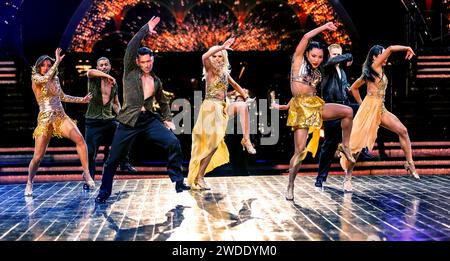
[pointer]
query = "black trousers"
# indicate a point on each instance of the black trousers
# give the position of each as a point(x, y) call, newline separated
point(100, 132)
point(149, 125)
point(333, 136)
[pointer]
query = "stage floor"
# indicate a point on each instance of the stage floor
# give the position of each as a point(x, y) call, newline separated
point(387, 208)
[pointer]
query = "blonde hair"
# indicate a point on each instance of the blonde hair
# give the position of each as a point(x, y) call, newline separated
point(334, 46)
point(225, 69)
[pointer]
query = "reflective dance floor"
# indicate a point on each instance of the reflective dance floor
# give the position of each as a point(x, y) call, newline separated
point(385, 208)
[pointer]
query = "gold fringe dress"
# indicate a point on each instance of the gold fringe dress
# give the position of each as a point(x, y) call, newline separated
point(49, 95)
point(209, 130)
point(367, 120)
point(305, 111)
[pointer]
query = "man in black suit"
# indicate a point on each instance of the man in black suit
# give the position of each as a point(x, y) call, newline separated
point(334, 88)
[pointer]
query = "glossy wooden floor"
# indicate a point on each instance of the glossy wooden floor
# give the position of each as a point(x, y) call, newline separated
point(237, 208)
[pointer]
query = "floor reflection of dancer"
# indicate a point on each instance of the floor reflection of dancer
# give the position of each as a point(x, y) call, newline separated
point(100, 120)
point(306, 110)
point(52, 120)
point(372, 113)
point(142, 91)
point(208, 146)
point(351, 226)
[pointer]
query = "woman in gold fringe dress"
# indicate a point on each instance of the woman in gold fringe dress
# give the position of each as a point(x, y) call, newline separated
point(306, 110)
point(52, 120)
point(372, 112)
point(208, 147)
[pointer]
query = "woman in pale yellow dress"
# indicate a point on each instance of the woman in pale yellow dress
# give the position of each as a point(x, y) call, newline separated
point(208, 146)
point(306, 110)
point(52, 120)
point(372, 112)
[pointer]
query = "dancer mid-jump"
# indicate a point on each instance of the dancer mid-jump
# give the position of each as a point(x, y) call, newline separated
point(306, 110)
point(372, 113)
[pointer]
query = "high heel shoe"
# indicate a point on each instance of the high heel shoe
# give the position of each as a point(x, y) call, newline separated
point(247, 145)
point(290, 193)
point(202, 184)
point(88, 180)
point(347, 153)
point(411, 169)
point(348, 185)
point(29, 189)
point(195, 186)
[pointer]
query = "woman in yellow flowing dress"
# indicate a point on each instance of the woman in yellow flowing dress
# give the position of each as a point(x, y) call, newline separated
point(208, 146)
point(372, 112)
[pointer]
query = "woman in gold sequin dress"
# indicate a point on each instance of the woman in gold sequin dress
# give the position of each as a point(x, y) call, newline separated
point(372, 112)
point(52, 120)
point(306, 110)
point(208, 146)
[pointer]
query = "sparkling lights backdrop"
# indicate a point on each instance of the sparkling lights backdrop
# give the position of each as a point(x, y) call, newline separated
point(189, 25)
point(447, 8)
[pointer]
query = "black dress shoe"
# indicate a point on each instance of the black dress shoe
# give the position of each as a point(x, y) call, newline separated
point(383, 156)
point(180, 186)
point(318, 183)
point(366, 156)
point(127, 167)
point(101, 198)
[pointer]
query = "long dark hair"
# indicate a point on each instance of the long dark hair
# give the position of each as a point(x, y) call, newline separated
point(312, 45)
point(368, 72)
point(39, 62)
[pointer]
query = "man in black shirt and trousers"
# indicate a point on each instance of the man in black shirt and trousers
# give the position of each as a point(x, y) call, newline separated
point(334, 88)
point(143, 94)
point(100, 120)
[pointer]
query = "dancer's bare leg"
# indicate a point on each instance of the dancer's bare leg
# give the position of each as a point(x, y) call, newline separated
point(241, 109)
point(333, 111)
point(300, 137)
point(392, 123)
point(70, 130)
point(199, 180)
point(40, 147)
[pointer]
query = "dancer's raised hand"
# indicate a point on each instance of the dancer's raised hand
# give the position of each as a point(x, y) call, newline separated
point(226, 45)
point(330, 26)
point(152, 24)
point(409, 53)
point(58, 55)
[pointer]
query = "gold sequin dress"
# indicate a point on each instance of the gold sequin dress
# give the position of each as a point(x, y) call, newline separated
point(209, 130)
point(305, 111)
point(367, 120)
point(49, 95)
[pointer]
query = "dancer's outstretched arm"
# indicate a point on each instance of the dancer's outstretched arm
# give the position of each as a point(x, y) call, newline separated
point(94, 73)
point(237, 87)
point(280, 107)
point(225, 46)
point(378, 61)
point(301, 47)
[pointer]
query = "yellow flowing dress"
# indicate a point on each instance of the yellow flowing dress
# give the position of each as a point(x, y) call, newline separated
point(209, 130)
point(367, 120)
